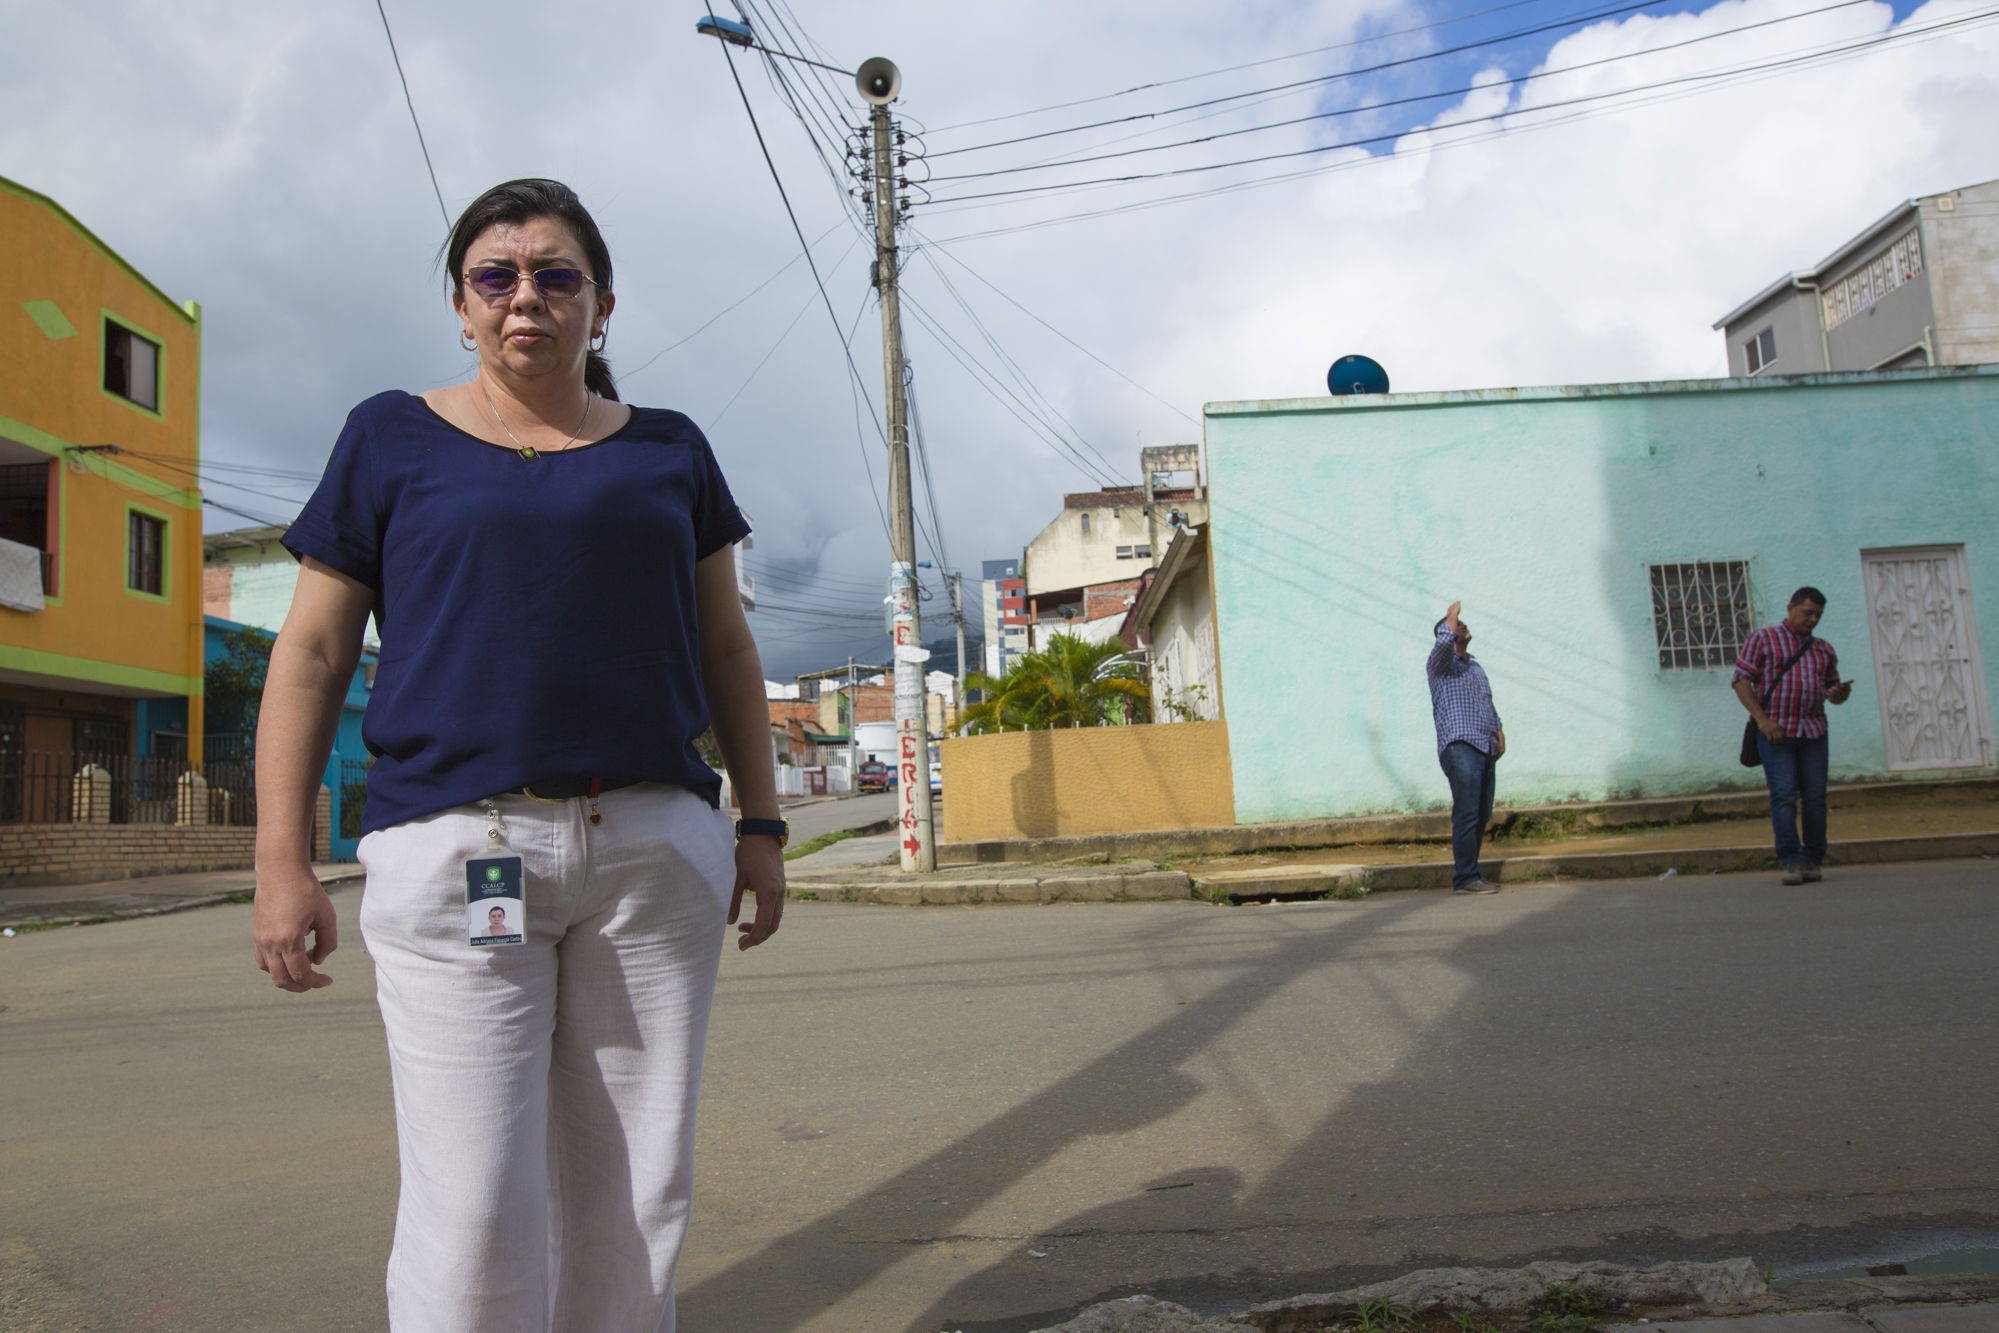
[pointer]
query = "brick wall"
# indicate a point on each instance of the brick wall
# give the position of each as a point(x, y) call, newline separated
point(1109, 599)
point(32, 854)
point(85, 853)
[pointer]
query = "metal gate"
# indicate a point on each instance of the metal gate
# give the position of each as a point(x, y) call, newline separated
point(1926, 662)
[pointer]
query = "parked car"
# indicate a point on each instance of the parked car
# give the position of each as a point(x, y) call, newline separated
point(874, 775)
point(936, 777)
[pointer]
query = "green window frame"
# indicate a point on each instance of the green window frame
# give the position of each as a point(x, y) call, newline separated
point(132, 365)
point(148, 554)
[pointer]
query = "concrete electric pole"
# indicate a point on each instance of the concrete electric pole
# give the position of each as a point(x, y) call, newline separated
point(879, 81)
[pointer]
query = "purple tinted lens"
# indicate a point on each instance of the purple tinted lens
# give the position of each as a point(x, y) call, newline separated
point(558, 281)
point(493, 282)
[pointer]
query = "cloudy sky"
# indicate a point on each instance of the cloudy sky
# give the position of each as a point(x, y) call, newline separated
point(1544, 191)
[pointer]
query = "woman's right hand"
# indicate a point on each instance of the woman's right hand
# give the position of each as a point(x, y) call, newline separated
point(291, 904)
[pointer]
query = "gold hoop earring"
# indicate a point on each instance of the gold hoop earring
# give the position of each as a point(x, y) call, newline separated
point(470, 347)
point(597, 343)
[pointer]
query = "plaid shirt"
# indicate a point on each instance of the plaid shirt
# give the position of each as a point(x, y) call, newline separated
point(1798, 703)
point(1461, 698)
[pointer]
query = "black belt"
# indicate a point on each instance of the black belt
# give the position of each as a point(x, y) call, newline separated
point(566, 789)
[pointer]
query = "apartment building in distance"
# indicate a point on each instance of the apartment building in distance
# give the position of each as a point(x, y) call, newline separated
point(1005, 604)
point(1081, 574)
point(101, 631)
point(1920, 287)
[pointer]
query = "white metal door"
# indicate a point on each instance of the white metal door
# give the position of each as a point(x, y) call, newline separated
point(1926, 662)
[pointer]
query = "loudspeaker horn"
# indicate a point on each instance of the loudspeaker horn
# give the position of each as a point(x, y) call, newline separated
point(878, 80)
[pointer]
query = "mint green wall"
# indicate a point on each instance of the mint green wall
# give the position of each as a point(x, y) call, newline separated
point(1342, 528)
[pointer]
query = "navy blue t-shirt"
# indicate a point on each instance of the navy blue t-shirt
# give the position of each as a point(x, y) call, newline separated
point(537, 615)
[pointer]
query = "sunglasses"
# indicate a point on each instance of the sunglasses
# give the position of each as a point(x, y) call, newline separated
point(498, 284)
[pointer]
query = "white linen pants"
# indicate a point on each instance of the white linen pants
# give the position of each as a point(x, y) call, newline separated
point(545, 1091)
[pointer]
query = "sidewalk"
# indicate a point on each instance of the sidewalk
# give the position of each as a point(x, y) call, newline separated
point(1952, 825)
point(146, 895)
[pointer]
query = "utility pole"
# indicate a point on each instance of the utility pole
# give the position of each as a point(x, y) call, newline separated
point(853, 730)
point(879, 82)
point(958, 614)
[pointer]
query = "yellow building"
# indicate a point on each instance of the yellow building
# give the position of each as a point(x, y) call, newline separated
point(101, 633)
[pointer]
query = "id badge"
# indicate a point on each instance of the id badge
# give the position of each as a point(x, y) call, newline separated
point(495, 901)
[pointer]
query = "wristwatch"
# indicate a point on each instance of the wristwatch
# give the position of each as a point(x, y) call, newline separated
point(767, 828)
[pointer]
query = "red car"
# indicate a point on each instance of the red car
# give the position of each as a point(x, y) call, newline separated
point(874, 775)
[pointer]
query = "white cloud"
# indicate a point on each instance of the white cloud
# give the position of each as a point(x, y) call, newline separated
point(260, 160)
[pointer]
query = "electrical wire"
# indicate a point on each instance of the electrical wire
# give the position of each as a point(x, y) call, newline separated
point(1069, 161)
point(930, 245)
point(1742, 78)
point(1316, 81)
point(1231, 69)
point(852, 369)
point(1019, 374)
point(1003, 395)
point(1705, 77)
point(442, 211)
point(786, 268)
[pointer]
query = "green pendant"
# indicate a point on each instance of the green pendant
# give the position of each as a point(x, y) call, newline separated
point(528, 453)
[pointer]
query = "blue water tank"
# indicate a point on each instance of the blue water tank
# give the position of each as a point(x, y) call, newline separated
point(1356, 374)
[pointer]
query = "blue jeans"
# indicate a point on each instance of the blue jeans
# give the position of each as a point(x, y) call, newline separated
point(1470, 771)
point(1796, 768)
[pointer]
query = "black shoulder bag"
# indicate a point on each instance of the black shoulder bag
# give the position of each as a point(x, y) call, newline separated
point(1752, 757)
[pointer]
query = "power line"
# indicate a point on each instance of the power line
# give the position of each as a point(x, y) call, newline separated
point(786, 268)
point(1315, 81)
point(1709, 76)
point(1231, 69)
point(939, 247)
point(442, 211)
point(1401, 101)
point(852, 369)
point(1740, 77)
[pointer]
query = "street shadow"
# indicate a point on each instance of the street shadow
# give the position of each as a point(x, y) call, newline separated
point(1617, 1079)
point(1035, 789)
point(1136, 1084)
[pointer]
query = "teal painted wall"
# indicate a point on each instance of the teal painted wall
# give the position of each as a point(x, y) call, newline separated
point(1342, 528)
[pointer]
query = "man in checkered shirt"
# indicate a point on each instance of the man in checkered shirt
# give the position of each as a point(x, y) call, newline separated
point(1470, 740)
point(1791, 726)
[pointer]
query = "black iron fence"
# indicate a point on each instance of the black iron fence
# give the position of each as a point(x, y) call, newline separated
point(79, 786)
point(353, 795)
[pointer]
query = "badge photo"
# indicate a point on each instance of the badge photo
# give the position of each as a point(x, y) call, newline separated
point(495, 901)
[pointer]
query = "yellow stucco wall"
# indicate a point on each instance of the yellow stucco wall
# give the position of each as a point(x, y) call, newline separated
point(1058, 784)
point(94, 629)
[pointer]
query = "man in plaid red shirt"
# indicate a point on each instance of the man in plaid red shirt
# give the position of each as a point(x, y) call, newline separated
point(1789, 708)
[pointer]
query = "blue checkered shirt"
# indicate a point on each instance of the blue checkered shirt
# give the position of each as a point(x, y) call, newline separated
point(1461, 698)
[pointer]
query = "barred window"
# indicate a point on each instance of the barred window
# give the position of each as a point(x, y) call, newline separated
point(1702, 613)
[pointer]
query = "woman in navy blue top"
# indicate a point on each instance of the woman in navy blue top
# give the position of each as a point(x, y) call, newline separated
point(552, 577)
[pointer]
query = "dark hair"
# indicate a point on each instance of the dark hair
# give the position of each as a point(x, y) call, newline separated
point(1808, 594)
point(514, 203)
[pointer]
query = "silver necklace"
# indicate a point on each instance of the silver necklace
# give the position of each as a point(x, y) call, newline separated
point(528, 451)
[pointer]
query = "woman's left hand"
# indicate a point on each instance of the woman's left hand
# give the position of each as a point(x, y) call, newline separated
point(760, 871)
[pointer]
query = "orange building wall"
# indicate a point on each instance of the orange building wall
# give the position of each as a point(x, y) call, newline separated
point(51, 397)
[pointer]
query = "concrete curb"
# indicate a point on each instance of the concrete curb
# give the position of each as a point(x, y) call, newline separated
point(1435, 826)
point(1064, 886)
point(1313, 881)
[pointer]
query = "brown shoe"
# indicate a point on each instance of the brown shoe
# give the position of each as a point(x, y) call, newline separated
point(1812, 875)
point(1794, 873)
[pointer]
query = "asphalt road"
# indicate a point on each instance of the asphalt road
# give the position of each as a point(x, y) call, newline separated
point(980, 1119)
point(809, 821)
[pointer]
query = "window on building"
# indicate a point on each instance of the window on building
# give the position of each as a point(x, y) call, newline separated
point(145, 552)
point(1702, 613)
point(1086, 525)
point(1124, 553)
point(1760, 351)
point(1900, 262)
point(131, 366)
point(1142, 552)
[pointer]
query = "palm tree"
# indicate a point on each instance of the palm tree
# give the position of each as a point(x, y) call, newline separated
point(1068, 683)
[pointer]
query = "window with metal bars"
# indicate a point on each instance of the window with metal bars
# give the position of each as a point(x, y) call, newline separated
point(1702, 612)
